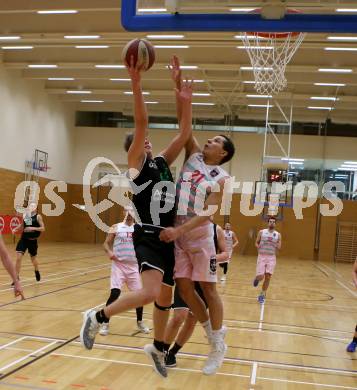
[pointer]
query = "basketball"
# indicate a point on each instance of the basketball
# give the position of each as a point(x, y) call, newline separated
point(142, 51)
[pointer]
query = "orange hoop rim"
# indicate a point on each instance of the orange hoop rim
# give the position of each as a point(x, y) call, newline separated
point(278, 35)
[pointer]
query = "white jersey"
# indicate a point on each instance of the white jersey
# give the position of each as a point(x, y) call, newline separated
point(268, 242)
point(228, 236)
point(123, 246)
point(194, 184)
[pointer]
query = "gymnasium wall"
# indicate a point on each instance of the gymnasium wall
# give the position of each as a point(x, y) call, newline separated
point(30, 119)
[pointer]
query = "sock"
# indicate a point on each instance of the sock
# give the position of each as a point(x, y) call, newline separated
point(207, 328)
point(175, 349)
point(166, 347)
point(159, 345)
point(101, 317)
point(139, 313)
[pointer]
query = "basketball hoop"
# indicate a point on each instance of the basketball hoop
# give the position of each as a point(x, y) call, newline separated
point(269, 54)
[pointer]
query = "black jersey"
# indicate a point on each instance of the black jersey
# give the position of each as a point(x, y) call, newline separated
point(31, 222)
point(158, 193)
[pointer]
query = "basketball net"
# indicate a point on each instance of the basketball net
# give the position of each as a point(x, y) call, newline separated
point(269, 54)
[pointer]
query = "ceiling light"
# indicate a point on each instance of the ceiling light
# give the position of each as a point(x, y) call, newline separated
point(42, 66)
point(351, 162)
point(320, 108)
point(92, 47)
point(110, 66)
point(9, 38)
point(152, 9)
point(257, 47)
point(330, 84)
point(198, 81)
point(260, 96)
point(243, 36)
point(201, 94)
point(253, 82)
point(324, 98)
point(152, 102)
point(189, 67)
point(342, 38)
point(120, 80)
point(92, 101)
point(260, 105)
point(62, 11)
point(348, 169)
point(17, 47)
point(296, 163)
point(333, 70)
point(257, 68)
point(165, 36)
point(203, 104)
point(82, 36)
point(346, 9)
point(340, 48)
point(79, 92)
point(292, 159)
point(171, 46)
point(130, 93)
point(60, 79)
point(242, 9)
point(348, 166)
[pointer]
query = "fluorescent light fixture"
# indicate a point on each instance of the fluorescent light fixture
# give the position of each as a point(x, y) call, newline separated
point(292, 159)
point(348, 166)
point(257, 47)
point(324, 98)
point(335, 70)
point(198, 81)
point(92, 47)
point(92, 101)
point(241, 9)
point(253, 82)
point(152, 9)
point(110, 66)
point(171, 46)
point(165, 36)
point(260, 96)
point(17, 47)
point(59, 11)
point(82, 36)
point(260, 105)
point(340, 48)
point(296, 163)
point(79, 92)
point(330, 84)
point(130, 93)
point(189, 67)
point(351, 162)
point(203, 104)
point(258, 68)
point(120, 80)
point(348, 169)
point(42, 66)
point(201, 94)
point(320, 108)
point(60, 79)
point(346, 9)
point(243, 36)
point(152, 102)
point(342, 38)
point(9, 38)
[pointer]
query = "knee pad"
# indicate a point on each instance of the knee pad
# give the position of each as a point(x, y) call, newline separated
point(162, 308)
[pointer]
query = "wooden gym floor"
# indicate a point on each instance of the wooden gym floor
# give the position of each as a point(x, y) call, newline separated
point(297, 340)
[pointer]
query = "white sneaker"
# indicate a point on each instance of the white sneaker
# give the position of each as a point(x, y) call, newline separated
point(89, 329)
point(157, 359)
point(142, 327)
point(104, 329)
point(223, 278)
point(215, 360)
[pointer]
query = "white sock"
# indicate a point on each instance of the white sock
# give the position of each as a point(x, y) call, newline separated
point(207, 328)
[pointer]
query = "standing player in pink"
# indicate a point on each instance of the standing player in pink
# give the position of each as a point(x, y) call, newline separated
point(231, 242)
point(353, 344)
point(125, 269)
point(267, 242)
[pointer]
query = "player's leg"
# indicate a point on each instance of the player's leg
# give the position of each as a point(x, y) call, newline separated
point(114, 295)
point(353, 344)
point(224, 266)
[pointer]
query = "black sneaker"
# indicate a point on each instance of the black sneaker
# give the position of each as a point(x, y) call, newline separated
point(170, 360)
point(38, 276)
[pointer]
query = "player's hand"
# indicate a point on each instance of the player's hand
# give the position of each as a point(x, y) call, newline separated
point(112, 256)
point(175, 69)
point(169, 234)
point(185, 94)
point(134, 70)
point(18, 291)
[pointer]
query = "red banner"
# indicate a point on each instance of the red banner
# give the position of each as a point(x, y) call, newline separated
point(8, 223)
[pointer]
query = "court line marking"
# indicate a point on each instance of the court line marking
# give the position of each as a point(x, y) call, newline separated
point(346, 288)
point(4, 346)
point(261, 318)
point(21, 386)
point(339, 276)
point(26, 356)
point(253, 377)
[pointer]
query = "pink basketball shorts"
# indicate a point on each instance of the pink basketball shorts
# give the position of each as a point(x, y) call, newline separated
point(265, 264)
point(125, 272)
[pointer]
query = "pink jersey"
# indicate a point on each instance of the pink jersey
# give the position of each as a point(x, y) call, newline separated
point(195, 183)
point(268, 242)
point(123, 246)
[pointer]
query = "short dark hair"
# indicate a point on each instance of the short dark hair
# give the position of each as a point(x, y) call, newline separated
point(273, 218)
point(228, 147)
point(128, 141)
